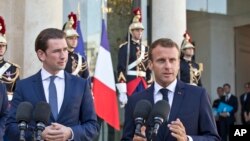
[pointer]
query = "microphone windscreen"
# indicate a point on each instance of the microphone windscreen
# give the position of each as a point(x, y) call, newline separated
point(24, 112)
point(42, 112)
point(161, 109)
point(142, 109)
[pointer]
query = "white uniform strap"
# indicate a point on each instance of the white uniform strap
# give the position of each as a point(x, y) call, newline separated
point(79, 65)
point(4, 68)
point(136, 62)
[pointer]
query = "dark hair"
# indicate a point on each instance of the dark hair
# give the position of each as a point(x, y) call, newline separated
point(219, 88)
point(164, 42)
point(45, 35)
point(226, 84)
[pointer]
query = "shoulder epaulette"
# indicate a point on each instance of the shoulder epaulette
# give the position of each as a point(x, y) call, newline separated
point(123, 44)
point(14, 64)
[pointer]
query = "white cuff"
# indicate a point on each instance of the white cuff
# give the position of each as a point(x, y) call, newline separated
point(122, 87)
point(72, 135)
point(189, 138)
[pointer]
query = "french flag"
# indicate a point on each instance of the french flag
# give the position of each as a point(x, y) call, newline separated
point(104, 90)
point(80, 46)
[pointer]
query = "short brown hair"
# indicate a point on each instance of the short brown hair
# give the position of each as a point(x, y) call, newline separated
point(164, 42)
point(45, 35)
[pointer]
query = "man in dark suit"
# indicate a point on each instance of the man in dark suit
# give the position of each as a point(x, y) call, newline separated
point(244, 99)
point(3, 109)
point(72, 115)
point(220, 93)
point(227, 118)
point(190, 115)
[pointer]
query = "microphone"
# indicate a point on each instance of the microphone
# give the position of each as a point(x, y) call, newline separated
point(23, 117)
point(159, 113)
point(41, 116)
point(141, 113)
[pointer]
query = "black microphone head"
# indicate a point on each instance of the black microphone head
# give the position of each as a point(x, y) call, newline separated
point(161, 109)
point(24, 111)
point(42, 112)
point(142, 109)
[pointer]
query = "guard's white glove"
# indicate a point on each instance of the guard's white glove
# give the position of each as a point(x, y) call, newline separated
point(122, 88)
point(123, 98)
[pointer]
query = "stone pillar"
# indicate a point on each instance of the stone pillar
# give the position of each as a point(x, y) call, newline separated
point(168, 19)
point(38, 15)
point(24, 20)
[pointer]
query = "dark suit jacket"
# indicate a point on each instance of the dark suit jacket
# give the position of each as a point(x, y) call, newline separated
point(190, 104)
point(244, 105)
point(77, 111)
point(3, 108)
point(234, 103)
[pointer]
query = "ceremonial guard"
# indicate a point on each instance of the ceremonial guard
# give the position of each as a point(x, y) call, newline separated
point(190, 71)
point(132, 70)
point(77, 64)
point(9, 72)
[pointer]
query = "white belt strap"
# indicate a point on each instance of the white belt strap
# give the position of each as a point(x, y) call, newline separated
point(4, 68)
point(137, 73)
point(79, 65)
point(136, 62)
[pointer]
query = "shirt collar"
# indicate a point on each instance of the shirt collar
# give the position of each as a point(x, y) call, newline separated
point(45, 74)
point(170, 87)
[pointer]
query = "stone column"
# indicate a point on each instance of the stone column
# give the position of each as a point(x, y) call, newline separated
point(24, 20)
point(168, 19)
point(38, 15)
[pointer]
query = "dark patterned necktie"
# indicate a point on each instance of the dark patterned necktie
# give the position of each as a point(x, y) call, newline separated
point(53, 97)
point(164, 93)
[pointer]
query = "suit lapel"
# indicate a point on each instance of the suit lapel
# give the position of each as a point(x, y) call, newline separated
point(150, 94)
point(67, 93)
point(176, 104)
point(39, 91)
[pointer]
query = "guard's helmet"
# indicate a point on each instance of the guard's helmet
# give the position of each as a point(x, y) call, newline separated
point(136, 23)
point(2, 32)
point(69, 27)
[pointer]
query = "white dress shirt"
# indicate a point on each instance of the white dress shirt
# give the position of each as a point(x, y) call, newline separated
point(171, 90)
point(60, 86)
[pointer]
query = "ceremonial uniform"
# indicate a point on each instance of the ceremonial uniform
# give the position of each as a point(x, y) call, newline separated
point(132, 69)
point(77, 65)
point(189, 70)
point(136, 73)
point(9, 72)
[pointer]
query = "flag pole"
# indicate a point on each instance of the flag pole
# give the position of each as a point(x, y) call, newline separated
point(102, 12)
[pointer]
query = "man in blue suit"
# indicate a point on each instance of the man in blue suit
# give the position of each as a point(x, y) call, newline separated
point(73, 116)
point(190, 115)
point(3, 109)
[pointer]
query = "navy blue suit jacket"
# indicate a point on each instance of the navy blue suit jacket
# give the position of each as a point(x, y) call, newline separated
point(190, 104)
point(77, 111)
point(3, 108)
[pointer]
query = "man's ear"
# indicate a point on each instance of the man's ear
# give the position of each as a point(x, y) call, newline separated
point(40, 55)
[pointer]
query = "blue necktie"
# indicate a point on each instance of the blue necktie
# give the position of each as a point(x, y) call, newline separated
point(53, 97)
point(164, 93)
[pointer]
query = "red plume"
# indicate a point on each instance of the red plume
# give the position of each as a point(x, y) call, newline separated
point(187, 36)
point(74, 18)
point(137, 11)
point(2, 31)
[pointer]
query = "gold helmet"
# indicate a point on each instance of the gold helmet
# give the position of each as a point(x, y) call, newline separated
point(186, 43)
point(70, 26)
point(136, 23)
point(2, 32)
